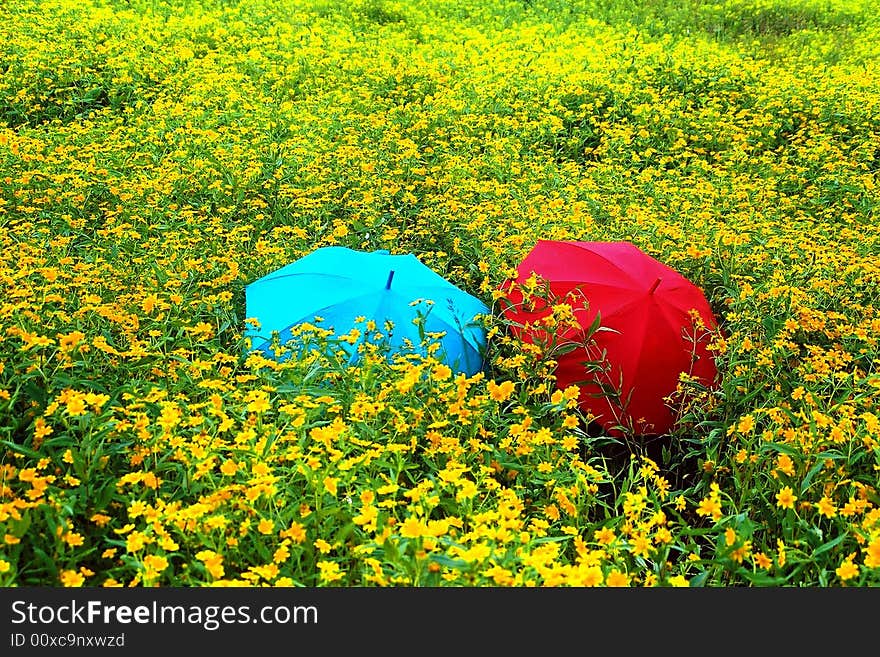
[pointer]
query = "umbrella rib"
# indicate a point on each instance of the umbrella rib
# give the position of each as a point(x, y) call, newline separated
point(610, 262)
point(578, 283)
point(448, 292)
point(447, 289)
point(271, 278)
point(317, 312)
point(626, 306)
point(633, 365)
point(669, 285)
point(640, 362)
point(685, 308)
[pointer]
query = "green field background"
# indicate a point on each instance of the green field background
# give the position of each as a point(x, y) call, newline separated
point(156, 157)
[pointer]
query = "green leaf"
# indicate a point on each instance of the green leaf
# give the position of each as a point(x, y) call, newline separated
point(550, 539)
point(565, 348)
point(21, 449)
point(762, 579)
point(805, 484)
point(46, 562)
point(344, 532)
point(699, 580)
point(785, 449)
point(594, 326)
point(449, 562)
point(830, 545)
point(392, 552)
point(21, 526)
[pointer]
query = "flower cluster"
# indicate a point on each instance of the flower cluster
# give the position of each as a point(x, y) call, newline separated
point(156, 158)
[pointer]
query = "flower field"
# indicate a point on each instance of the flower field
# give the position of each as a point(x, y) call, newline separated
point(156, 157)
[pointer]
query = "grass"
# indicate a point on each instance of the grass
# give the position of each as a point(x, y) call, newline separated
point(155, 158)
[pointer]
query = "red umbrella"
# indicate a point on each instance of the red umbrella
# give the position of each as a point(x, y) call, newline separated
point(653, 338)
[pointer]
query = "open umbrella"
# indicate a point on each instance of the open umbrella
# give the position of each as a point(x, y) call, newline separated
point(650, 337)
point(340, 285)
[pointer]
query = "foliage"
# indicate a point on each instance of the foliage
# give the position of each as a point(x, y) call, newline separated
point(158, 156)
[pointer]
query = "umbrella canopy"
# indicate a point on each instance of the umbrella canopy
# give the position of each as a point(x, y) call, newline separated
point(339, 285)
point(646, 304)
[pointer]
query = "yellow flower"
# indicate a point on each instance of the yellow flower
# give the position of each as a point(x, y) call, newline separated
point(762, 560)
point(76, 405)
point(296, 533)
point(451, 473)
point(259, 402)
point(552, 512)
point(729, 536)
point(467, 490)
point(265, 526)
point(501, 392)
point(441, 372)
point(229, 467)
point(72, 578)
point(213, 562)
point(616, 578)
point(69, 341)
point(169, 417)
point(329, 571)
point(156, 562)
point(168, 543)
point(605, 536)
point(413, 528)
point(710, 506)
point(663, 535)
point(826, 507)
point(746, 424)
point(847, 570)
point(872, 559)
point(587, 576)
point(786, 498)
point(282, 554)
point(135, 541)
point(41, 430)
point(785, 464)
point(500, 576)
point(641, 546)
point(149, 303)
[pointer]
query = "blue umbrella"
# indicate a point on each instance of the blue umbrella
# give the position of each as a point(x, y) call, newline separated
point(340, 284)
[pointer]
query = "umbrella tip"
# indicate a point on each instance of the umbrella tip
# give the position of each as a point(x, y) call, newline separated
point(388, 282)
point(654, 286)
